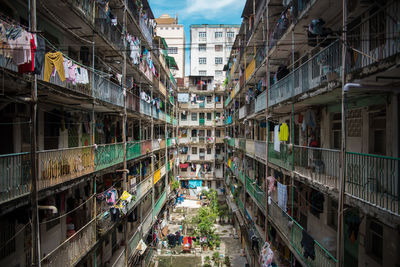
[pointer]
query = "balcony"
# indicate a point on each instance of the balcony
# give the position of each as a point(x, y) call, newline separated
point(155, 145)
point(111, 33)
point(160, 202)
point(242, 112)
point(108, 91)
point(145, 108)
point(108, 155)
point(250, 147)
point(283, 158)
point(292, 233)
point(73, 249)
point(162, 88)
point(146, 147)
point(132, 102)
point(261, 102)
point(374, 179)
point(61, 165)
point(201, 122)
point(250, 69)
point(256, 193)
point(242, 144)
point(319, 164)
point(15, 177)
point(320, 69)
point(260, 149)
point(146, 30)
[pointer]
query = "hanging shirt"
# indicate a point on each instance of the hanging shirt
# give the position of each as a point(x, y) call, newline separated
point(282, 196)
point(284, 132)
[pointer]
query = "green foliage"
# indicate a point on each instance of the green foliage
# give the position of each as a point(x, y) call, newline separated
point(207, 260)
point(227, 261)
point(175, 185)
point(204, 221)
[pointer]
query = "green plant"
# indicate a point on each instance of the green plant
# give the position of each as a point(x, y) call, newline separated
point(207, 260)
point(227, 261)
point(175, 185)
point(216, 258)
point(217, 243)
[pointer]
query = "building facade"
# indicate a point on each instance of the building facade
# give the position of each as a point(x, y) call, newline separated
point(210, 47)
point(174, 35)
point(321, 187)
point(87, 152)
point(200, 133)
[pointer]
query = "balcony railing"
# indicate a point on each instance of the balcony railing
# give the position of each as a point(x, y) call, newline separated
point(261, 102)
point(60, 165)
point(250, 147)
point(292, 232)
point(374, 179)
point(132, 102)
point(159, 203)
point(108, 155)
point(377, 37)
point(260, 149)
point(281, 158)
point(72, 249)
point(145, 108)
point(133, 150)
point(15, 175)
point(320, 164)
point(323, 67)
point(257, 194)
point(108, 91)
point(201, 121)
point(146, 147)
point(111, 33)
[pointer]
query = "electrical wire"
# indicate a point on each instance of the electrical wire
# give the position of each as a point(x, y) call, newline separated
point(15, 235)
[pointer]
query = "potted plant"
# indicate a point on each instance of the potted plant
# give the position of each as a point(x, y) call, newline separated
point(217, 243)
point(227, 261)
point(207, 262)
point(215, 258)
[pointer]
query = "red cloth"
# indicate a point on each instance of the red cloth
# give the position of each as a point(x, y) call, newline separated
point(190, 240)
point(184, 165)
point(29, 66)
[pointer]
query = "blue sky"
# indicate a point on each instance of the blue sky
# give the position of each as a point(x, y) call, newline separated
point(199, 12)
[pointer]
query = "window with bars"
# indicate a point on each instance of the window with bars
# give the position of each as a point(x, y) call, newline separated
point(202, 47)
point(172, 50)
point(230, 34)
point(218, 60)
point(194, 116)
point(202, 60)
point(202, 72)
point(218, 48)
point(218, 34)
point(202, 34)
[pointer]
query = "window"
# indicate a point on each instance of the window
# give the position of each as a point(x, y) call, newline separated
point(217, 151)
point(377, 132)
point(218, 73)
point(172, 50)
point(202, 72)
point(208, 132)
point(218, 114)
point(218, 34)
point(202, 35)
point(194, 116)
point(217, 166)
point(201, 115)
point(208, 150)
point(217, 133)
point(209, 116)
point(229, 47)
point(194, 150)
point(230, 34)
point(218, 48)
point(202, 47)
point(183, 116)
point(218, 60)
point(194, 133)
point(375, 239)
point(202, 60)
point(209, 99)
point(377, 26)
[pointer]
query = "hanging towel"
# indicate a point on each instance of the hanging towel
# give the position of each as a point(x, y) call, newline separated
point(277, 143)
point(282, 196)
point(284, 132)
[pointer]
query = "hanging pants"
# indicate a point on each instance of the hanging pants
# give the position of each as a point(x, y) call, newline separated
point(51, 61)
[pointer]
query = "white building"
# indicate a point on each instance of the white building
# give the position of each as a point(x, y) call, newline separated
point(174, 34)
point(210, 47)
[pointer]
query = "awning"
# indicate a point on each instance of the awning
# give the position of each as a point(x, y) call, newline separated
point(184, 165)
point(171, 62)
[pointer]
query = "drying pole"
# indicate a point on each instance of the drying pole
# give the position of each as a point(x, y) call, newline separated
point(343, 146)
point(34, 165)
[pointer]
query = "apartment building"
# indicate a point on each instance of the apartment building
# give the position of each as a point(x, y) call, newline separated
point(210, 47)
point(88, 126)
point(321, 188)
point(200, 133)
point(174, 35)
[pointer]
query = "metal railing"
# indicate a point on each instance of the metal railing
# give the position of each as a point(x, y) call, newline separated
point(320, 164)
point(377, 37)
point(71, 250)
point(374, 179)
point(256, 192)
point(281, 158)
point(323, 67)
point(260, 149)
point(159, 203)
point(108, 91)
point(145, 108)
point(250, 147)
point(60, 165)
point(132, 102)
point(15, 175)
point(108, 155)
point(146, 30)
point(133, 149)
